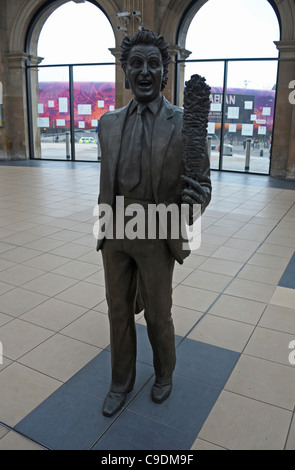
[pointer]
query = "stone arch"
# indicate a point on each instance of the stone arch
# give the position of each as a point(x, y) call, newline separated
point(286, 13)
point(179, 16)
point(24, 31)
point(31, 17)
point(22, 22)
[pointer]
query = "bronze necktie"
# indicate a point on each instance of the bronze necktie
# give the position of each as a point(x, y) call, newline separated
point(132, 167)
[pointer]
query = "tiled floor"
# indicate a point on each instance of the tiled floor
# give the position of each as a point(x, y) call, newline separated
point(234, 315)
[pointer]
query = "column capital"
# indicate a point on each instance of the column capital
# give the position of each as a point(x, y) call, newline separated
point(286, 49)
point(116, 51)
point(175, 49)
point(34, 60)
point(16, 60)
point(184, 54)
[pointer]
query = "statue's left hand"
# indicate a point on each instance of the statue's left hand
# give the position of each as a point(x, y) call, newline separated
point(195, 193)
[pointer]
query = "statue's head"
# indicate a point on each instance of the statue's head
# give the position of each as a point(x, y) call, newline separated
point(145, 60)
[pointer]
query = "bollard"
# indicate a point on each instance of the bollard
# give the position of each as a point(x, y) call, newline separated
point(209, 146)
point(98, 150)
point(68, 151)
point(248, 152)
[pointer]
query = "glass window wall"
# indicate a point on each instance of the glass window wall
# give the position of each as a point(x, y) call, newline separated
point(65, 105)
point(241, 116)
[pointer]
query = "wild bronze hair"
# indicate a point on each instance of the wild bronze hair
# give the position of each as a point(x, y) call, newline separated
point(146, 36)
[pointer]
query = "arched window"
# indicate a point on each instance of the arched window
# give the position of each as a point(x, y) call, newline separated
point(74, 82)
point(230, 29)
point(242, 91)
point(76, 33)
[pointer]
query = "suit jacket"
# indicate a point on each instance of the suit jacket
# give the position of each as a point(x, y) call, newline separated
point(167, 165)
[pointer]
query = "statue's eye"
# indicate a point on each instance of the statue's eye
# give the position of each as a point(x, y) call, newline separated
point(154, 64)
point(136, 63)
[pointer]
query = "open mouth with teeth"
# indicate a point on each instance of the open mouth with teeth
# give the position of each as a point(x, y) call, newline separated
point(145, 84)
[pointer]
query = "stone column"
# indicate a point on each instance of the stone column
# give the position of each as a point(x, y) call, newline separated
point(291, 154)
point(283, 145)
point(183, 55)
point(34, 84)
point(123, 96)
point(16, 128)
point(169, 90)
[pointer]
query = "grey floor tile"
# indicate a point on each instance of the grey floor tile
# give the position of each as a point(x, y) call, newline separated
point(185, 410)
point(68, 420)
point(204, 362)
point(134, 432)
point(95, 377)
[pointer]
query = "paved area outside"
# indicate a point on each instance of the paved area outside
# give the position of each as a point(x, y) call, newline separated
point(236, 162)
point(233, 309)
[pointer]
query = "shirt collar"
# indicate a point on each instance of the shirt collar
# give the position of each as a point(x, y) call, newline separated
point(153, 106)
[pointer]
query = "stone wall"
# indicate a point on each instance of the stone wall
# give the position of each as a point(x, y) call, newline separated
point(283, 148)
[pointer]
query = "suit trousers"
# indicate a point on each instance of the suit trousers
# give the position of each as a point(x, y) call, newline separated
point(125, 261)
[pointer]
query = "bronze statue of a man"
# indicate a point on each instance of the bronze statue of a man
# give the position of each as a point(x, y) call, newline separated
point(142, 160)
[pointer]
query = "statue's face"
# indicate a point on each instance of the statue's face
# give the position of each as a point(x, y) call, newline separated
point(144, 72)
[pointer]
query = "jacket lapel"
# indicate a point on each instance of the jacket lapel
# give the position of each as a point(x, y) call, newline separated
point(114, 139)
point(163, 130)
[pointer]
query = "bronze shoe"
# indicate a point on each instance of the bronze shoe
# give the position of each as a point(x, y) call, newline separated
point(161, 392)
point(114, 401)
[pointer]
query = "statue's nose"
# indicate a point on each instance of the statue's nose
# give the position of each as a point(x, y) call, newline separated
point(145, 69)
